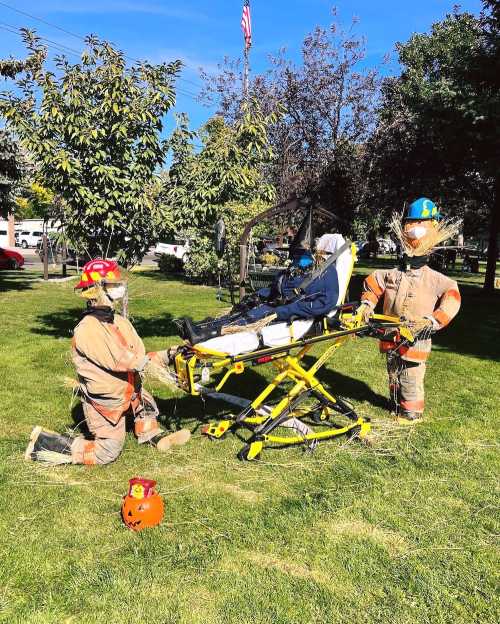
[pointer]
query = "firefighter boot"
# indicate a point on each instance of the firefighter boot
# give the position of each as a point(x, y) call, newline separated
point(199, 332)
point(409, 418)
point(49, 447)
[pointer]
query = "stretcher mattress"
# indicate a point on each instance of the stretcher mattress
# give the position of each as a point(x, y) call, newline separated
point(280, 334)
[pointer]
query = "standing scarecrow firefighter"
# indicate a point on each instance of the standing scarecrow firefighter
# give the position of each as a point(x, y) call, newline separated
point(427, 299)
point(109, 357)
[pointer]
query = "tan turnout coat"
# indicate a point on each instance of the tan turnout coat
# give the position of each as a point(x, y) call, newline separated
point(414, 294)
point(106, 356)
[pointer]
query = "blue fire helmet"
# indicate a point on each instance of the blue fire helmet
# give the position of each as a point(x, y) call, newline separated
point(422, 209)
point(303, 260)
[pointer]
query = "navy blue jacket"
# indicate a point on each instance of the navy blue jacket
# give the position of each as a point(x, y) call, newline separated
point(320, 296)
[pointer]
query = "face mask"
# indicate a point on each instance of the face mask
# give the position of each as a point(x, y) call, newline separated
point(115, 292)
point(416, 232)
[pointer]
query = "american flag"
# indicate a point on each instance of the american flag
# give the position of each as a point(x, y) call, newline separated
point(246, 24)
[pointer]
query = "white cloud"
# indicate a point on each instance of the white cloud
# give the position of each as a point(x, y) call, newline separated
point(122, 6)
point(192, 63)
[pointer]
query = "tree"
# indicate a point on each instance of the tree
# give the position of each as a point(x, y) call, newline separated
point(224, 178)
point(35, 202)
point(439, 121)
point(94, 131)
point(328, 102)
point(11, 172)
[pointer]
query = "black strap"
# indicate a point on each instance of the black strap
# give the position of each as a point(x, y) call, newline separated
point(320, 270)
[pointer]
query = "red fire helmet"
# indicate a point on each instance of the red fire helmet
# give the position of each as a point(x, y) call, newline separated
point(99, 271)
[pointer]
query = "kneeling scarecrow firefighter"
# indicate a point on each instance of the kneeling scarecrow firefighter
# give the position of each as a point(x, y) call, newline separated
point(427, 300)
point(109, 357)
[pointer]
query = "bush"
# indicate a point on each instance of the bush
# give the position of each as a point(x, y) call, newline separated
point(269, 259)
point(170, 265)
point(203, 263)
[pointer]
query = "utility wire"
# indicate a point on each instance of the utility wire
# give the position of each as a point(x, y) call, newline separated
point(77, 36)
point(59, 47)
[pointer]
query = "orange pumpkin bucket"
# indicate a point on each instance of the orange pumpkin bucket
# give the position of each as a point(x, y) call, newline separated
point(142, 507)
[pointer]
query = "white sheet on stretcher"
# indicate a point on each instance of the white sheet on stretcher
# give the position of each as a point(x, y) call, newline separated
point(279, 334)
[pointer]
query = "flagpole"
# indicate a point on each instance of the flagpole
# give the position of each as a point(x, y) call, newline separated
point(245, 72)
point(247, 38)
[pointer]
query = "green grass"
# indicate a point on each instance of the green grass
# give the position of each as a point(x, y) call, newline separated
point(348, 534)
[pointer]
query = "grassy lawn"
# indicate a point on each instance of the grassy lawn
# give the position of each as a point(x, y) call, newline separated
point(401, 532)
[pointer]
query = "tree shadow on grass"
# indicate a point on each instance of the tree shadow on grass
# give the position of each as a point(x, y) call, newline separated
point(475, 329)
point(348, 387)
point(15, 280)
point(61, 324)
point(155, 325)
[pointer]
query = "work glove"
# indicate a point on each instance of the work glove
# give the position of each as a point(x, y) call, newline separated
point(163, 358)
point(142, 363)
point(365, 311)
point(423, 324)
point(247, 303)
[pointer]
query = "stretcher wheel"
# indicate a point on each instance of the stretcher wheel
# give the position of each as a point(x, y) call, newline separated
point(353, 434)
point(243, 454)
point(248, 453)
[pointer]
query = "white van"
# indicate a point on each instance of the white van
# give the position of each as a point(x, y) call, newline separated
point(28, 238)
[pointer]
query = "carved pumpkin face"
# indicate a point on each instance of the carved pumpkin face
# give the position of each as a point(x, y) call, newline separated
point(142, 513)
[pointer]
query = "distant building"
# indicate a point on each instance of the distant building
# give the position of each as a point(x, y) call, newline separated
point(9, 228)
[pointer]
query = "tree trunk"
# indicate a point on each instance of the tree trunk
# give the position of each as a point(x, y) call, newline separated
point(243, 269)
point(491, 264)
point(45, 255)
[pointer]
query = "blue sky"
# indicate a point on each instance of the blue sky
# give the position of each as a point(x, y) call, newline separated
point(202, 33)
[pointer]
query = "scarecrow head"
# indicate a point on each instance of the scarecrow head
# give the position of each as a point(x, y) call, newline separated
point(420, 222)
point(327, 245)
point(422, 227)
point(101, 282)
point(302, 260)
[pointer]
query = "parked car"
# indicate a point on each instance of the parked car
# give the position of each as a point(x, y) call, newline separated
point(359, 244)
point(386, 245)
point(10, 259)
point(179, 249)
point(29, 238)
point(55, 252)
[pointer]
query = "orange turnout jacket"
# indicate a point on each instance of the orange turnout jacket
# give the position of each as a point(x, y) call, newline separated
point(106, 356)
point(414, 294)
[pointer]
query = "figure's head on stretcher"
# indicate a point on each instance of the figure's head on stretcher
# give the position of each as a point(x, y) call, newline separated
point(302, 260)
point(101, 282)
point(327, 245)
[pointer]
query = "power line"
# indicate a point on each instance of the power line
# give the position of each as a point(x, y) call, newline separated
point(77, 36)
point(50, 44)
point(39, 19)
point(59, 47)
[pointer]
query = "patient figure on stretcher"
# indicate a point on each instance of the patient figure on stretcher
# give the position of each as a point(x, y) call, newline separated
point(309, 289)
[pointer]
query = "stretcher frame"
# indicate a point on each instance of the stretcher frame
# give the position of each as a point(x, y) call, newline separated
point(194, 363)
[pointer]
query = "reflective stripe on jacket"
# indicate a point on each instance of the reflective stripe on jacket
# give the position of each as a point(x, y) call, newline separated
point(413, 294)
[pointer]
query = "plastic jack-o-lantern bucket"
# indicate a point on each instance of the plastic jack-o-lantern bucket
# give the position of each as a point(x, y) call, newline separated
point(142, 507)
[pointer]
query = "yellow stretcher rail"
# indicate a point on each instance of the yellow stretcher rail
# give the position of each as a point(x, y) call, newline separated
point(196, 364)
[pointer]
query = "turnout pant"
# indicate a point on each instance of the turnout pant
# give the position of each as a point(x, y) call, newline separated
point(109, 438)
point(406, 384)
